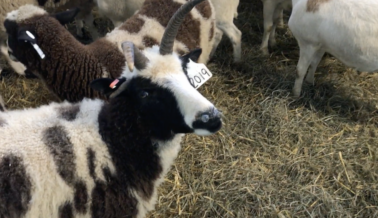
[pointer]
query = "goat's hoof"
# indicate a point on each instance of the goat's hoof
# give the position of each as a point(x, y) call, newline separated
point(264, 51)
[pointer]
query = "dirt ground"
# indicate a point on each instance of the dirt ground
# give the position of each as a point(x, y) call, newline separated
point(277, 156)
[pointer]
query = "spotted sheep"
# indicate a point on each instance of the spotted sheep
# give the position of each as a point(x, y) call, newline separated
point(69, 66)
point(225, 12)
point(348, 33)
point(97, 158)
point(272, 12)
point(85, 14)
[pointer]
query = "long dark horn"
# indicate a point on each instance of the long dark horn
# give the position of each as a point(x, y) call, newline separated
point(166, 45)
point(134, 56)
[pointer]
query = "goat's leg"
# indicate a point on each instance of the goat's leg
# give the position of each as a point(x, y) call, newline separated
point(281, 23)
point(18, 67)
point(314, 64)
point(234, 34)
point(276, 20)
point(79, 27)
point(217, 38)
point(268, 12)
point(306, 56)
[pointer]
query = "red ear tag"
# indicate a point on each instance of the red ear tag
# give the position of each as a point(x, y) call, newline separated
point(113, 85)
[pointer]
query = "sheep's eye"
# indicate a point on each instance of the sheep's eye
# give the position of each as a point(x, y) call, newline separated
point(143, 94)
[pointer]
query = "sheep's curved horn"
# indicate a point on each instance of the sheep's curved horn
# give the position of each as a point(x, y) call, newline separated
point(134, 57)
point(166, 45)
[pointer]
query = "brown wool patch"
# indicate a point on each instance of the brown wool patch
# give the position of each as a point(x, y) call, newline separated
point(149, 41)
point(61, 148)
point(313, 5)
point(111, 58)
point(204, 9)
point(15, 187)
point(133, 25)
point(162, 11)
point(66, 211)
point(81, 197)
point(69, 112)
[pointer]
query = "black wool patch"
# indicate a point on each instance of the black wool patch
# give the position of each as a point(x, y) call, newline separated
point(112, 199)
point(66, 211)
point(15, 187)
point(81, 197)
point(61, 148)
point(91, 157)
point(69, 112)
point(43, 2)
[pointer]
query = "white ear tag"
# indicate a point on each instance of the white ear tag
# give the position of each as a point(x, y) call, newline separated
point(35, 46)
point(198, 74)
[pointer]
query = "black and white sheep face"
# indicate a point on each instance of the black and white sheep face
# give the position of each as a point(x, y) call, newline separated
point(163, 95)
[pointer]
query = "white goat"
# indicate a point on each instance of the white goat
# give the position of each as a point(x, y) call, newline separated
point(347, 29)
point(272, 12)
point(98, 159)
point(225, 12)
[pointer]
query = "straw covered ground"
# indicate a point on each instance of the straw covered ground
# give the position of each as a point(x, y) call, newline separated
point(276, 156)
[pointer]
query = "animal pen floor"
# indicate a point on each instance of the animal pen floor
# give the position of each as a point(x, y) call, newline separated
point(276, 156)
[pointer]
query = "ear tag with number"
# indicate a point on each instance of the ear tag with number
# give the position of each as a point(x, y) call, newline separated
point(198, 74)
point(35, 46)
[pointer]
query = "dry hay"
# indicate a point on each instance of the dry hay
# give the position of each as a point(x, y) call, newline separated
point(276, 156)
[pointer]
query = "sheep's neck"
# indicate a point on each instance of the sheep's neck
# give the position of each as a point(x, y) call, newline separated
point(134, 154)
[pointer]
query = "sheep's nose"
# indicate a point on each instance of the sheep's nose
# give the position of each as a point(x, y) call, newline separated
point(209, 120)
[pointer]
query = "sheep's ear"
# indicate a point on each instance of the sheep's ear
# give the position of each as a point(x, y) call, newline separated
point(25, 35)
point(107, 86)
point(66, 16)
point(193, 55)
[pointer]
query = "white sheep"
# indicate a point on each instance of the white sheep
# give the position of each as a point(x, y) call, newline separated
point(225, 12)
point(68, 66)
point(272, 12)
point(347, 29)
point(85, 14)
point(98, 159)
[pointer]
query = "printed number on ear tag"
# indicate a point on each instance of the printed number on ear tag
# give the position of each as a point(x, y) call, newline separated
point(198, 74)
